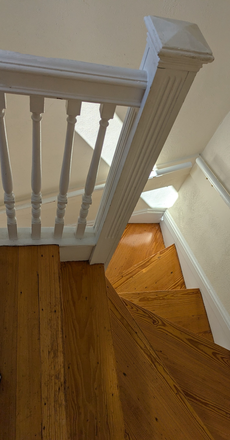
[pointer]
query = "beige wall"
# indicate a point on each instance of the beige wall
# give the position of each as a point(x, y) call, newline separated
point(204, 218)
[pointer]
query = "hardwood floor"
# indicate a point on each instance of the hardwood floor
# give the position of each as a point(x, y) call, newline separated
point(93, 402)
point(161, 271)
point(138, 242)
point(201, 368)
point(153, 404)
point(82, 362)
point(32, 398)
point(183, 307)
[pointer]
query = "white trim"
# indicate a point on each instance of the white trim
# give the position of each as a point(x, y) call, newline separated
point(213, 179)
point(143, 135)
point(149, 215)
point(191, 158)
point(194, 276)
point(67, 79)
point(71, 248)
point(172, 169)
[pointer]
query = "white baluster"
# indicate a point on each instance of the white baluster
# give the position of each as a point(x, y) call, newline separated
point(106, 112)
point(36, 108)
point(7, 180)
point(73, 110)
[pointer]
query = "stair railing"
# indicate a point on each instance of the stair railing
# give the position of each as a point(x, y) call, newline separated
point(154, 94)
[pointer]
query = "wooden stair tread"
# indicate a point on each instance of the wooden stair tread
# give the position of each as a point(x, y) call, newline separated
point(138, 242)
point(153, 404)
point(184, 307)
point(201, 368)
point(92, 395)
point(160, 271)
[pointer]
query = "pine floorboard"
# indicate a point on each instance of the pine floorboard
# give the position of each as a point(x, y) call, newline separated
point(183, 307)
point(154, 407)
point(93, 402)
point(32, 398)
point(161, 271)
point(138, 242)
point(201, 368)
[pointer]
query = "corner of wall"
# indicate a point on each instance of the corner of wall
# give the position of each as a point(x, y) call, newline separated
point(194, 276)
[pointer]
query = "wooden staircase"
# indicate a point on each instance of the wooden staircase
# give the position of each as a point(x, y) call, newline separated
point(79, 361)
point(170, 328)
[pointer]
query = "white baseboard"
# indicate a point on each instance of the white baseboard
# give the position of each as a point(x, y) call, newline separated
point(194, 276)
point(149, 215)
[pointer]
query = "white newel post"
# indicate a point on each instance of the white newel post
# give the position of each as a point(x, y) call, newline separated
point(175, 52)
point(106, 112)
point(73, 110)
point(36, 108)
point(7, 180)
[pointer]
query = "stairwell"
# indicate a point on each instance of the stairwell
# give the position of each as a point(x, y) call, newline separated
point(170, 340)
point(80, 361)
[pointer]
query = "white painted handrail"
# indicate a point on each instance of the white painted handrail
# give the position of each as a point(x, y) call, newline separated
point(172, 169)
point(106, 112)
point(36, 108)
point(73, 110)
point(7, 180)
point(68, 79)
point(213, 179)
point(155, 94)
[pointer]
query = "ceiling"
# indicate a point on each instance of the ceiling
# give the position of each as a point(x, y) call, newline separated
point(113, 33)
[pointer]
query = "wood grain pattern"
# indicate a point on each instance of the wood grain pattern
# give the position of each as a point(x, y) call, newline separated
point(153, 404)
point(51, 344)
point(138, 242)
point(32, 397)
point(183, 307)
point(93, 402)
point(161, 271)
point(201, 368)
point(28, 393)
point(8, 341)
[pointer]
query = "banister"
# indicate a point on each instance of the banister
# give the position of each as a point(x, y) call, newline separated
point(68, 79)
point(174, 53)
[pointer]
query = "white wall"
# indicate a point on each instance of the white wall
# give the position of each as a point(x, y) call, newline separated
point(204, 219)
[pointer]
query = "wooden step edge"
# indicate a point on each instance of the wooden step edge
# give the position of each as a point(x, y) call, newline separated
point(160, 292)
point(203, 372)
point(200, 340)
point(138, 267)
point(135, 246)
point(115, 304)
point(157, 300)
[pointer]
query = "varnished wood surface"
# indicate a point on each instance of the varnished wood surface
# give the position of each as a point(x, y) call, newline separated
point(51, 344)
point(32, 397)
point(8, 341)
point(161, 271)
point(183, 307)
point(93, 401)
point(138, 242)
point(201, 368)
point(154, 406)
point(28, 393)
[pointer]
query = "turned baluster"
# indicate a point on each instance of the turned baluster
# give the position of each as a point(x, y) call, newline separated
point(7, 180)
point(73, 110)
point(106, 112)
point(36, 108)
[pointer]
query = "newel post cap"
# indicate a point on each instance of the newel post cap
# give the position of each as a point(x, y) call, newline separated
point(176, 38)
